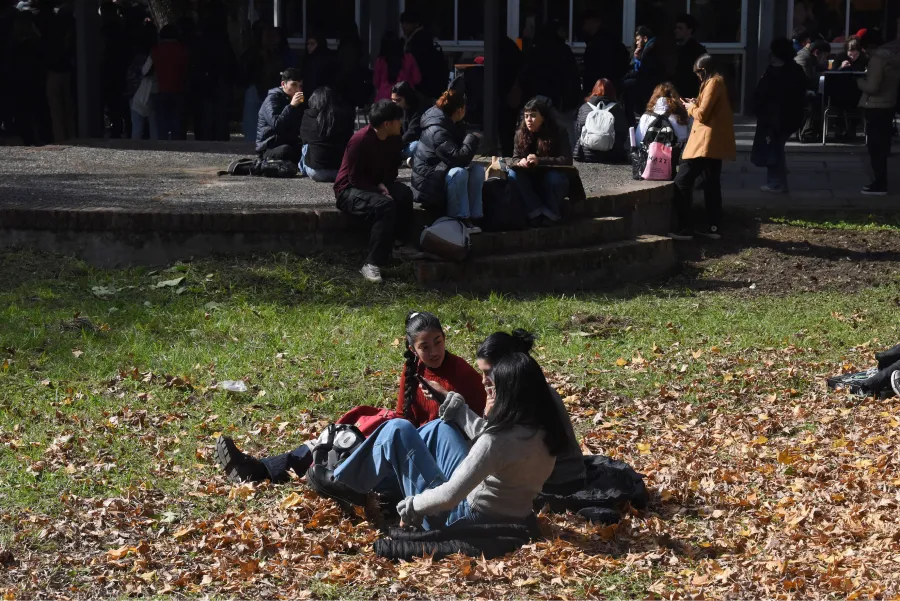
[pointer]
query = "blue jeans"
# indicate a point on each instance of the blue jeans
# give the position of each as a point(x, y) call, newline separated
point(316, 175)
point(416, 460)
point(138, 121)
point(169, 109)
point(409, 150)
point(542, 191)
point(777, 168)
point(464, 191)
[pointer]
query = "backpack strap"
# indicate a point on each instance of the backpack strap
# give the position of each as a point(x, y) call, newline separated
point(594, 107)
point(604, 106)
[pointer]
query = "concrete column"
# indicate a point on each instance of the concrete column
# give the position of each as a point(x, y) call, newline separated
point(759, 60)
point(492, 34)
point(277, 11)
point(88, 53)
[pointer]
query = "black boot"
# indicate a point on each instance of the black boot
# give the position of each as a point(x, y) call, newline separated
point(321, 479)
point(238, 466)
point(881, 382)
point(888, 357)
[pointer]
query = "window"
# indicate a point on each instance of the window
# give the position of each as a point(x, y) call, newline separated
point(533, 14)
point(659, 15)
point(718, 21)
point(610, 11)
point(438, 16)
point(324, 16)
point(834, 20)
point(732, 69)
point(868, 14)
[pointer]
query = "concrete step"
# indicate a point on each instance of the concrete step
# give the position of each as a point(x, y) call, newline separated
point(588, 267)
point(581, 232)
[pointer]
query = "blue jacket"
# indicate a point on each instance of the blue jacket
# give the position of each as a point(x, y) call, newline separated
point(278, 122)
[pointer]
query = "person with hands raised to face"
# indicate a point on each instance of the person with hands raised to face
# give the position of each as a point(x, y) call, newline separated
point(279, 120)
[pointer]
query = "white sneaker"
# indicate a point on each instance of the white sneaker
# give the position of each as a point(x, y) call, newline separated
point(409, 162)
point(372, 273)
point(895, 382)
point(474, 230)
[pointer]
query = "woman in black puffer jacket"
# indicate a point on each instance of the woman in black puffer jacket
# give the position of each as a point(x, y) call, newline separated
point(444, 176)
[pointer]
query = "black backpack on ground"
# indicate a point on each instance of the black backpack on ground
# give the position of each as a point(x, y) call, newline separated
point(261, 167)
point(334, 445)
point(504, 210)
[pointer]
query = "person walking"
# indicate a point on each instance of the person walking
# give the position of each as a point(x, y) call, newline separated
point(778, 103)
point(393, 65)
point(880, 88)
point(444, 176)
point(711, 141)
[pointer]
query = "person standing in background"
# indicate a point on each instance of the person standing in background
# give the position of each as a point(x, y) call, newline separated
point(880, 88)
point(420, 43)
point(605, 57)
point(689, 50)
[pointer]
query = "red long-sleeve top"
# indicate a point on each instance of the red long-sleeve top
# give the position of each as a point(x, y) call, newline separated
point(454, 374)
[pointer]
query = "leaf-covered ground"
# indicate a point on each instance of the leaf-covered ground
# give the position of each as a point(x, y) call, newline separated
point(764, 483)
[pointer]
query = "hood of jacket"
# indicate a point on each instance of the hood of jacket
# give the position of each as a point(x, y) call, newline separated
point(661, 107)
point(435, 117)
point(275, 91)
point(890, 52)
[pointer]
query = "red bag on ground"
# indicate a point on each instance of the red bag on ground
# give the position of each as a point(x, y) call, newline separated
point(367, 419)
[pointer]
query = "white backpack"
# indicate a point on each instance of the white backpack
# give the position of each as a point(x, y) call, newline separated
point(447, 238)
point(599, 132)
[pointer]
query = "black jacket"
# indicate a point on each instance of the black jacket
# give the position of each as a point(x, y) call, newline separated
point(319, 69)
point(412, 125)
point(617, 154)
point(432, 64)
point(551, 70)
point(605, 57)
point(278, 122)
point(442, 147)
point(780, 99)
point(686, 82)
point(326, 152)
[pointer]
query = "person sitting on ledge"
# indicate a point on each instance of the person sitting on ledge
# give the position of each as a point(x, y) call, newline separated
point(367, 188)
point(325, 130)
point(413, 105)
point(603, 96)
point(278, 124)
point(444, 176)
point(540, 143)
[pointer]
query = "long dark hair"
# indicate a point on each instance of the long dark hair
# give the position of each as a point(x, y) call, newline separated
point(392, 53)
point(416, 323)
point(322, 101)
point(706, 68)
point(548, 136)
point(500, 344)
point(404, 90)
point(523, 398)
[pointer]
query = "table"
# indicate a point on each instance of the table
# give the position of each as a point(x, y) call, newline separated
point(822, 77)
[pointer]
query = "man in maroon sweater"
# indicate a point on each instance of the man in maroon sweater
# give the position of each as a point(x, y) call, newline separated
point(367, 188)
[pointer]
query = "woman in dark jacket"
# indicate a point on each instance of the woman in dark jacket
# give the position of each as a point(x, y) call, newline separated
point(444, 175)
point(320, 67)
point(413, 106)
point(325, 131)
point(779, 103)
point(603, 96)
point(540, 143)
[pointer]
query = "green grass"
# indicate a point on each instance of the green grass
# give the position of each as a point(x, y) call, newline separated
point(308, 335)
point(841, 221)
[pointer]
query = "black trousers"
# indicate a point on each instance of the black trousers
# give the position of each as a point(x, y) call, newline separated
point(879, 125)
point(285, 152)
point(389, 217)
point(688, 172)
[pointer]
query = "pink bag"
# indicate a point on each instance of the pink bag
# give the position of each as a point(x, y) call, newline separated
point(659, 163)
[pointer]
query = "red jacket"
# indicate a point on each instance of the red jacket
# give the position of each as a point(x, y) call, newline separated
point(170, 65)
point(454, 374)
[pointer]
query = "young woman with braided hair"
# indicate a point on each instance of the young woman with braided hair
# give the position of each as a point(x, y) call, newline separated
point(427, 357)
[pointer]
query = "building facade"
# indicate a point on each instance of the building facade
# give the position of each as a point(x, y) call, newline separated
point(736, 31)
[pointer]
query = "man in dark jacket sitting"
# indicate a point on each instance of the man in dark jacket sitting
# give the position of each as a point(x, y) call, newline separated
point(367, 188)
point(280, 116)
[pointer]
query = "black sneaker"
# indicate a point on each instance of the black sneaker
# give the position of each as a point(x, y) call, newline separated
point(713, 233)
point(682, 234)
point(238, 466)
point(874, 190)
point(321, 479)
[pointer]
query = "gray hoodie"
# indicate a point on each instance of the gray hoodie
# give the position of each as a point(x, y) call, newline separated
point(881, 84)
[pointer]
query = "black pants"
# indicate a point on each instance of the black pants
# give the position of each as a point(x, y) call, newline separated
point(389, 217)
point(811, 130)
point(879, 124)
point(298, 460)
point(688, 172)
point(285, 152)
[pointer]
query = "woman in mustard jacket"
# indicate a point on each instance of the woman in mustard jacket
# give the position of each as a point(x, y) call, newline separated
point(711, 141)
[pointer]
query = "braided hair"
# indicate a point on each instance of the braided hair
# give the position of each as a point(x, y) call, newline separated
point(416, 323)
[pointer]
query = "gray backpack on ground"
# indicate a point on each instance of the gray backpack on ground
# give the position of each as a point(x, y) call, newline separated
point(447, 238)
